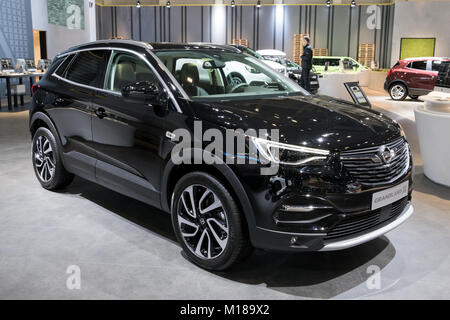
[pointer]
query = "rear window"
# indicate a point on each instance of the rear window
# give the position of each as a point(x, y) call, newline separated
point(396, 65)
point(89, 68)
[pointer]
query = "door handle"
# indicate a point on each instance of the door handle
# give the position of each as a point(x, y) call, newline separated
point(100, 112)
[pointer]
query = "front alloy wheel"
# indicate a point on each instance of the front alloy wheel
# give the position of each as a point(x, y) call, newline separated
point(202, 222)
point(208, 222)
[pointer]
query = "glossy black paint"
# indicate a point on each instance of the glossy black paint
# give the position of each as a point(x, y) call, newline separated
point(120, 142)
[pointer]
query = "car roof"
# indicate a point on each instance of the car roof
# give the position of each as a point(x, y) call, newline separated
point(271, 52)
point(149, 46)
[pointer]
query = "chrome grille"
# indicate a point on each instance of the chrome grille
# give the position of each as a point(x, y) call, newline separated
point(368, 167)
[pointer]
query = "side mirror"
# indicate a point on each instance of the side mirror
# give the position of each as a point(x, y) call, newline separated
point(141, 89)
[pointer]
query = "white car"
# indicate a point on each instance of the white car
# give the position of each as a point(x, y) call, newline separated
point(272, 56)
point(236, 71)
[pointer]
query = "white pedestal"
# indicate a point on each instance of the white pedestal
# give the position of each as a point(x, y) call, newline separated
point(433, 128)
point(332, 84)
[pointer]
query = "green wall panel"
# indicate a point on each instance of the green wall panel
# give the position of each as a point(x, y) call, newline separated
point(417, 47)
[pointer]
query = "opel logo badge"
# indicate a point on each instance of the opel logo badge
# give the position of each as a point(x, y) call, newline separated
point(385, 154)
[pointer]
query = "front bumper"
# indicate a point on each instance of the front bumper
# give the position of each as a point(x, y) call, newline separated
point(283, 241)
point(348, 243)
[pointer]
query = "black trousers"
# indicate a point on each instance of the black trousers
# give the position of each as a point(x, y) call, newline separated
point(304, 81)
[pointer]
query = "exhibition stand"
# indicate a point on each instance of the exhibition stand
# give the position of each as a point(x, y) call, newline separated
point(433, 128)
point(20, 76)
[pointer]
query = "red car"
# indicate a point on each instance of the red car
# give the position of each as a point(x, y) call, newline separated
point(412, 77)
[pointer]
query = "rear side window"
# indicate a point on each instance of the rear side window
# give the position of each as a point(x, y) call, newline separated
point(419, 65)
point(63, 66)
point(89, 68)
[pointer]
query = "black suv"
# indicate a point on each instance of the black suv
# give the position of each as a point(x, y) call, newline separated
point(119, 113)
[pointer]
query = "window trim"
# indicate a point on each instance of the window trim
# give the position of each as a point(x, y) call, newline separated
point(139, 55)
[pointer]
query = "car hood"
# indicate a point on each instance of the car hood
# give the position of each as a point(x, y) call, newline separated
point(313, 121)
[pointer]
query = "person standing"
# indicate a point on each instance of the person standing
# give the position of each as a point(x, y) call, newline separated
point(306, 63)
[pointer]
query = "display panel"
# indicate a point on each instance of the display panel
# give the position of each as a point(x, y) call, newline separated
point(6, 64)
point(30, 64)
point(357, 94)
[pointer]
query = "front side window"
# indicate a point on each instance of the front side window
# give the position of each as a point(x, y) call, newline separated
point(217, 74)
point(125, 69)
point(89, 68)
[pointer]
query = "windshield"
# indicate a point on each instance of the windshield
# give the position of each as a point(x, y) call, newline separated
point(207, 74)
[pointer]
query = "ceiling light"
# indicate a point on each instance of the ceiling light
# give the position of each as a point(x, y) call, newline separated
point(328, 3)
point(353, 4)
point(233, 4)
point(138, 4)
point(258, 4)
point(168, 4)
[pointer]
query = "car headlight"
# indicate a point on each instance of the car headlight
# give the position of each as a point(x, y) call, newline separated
point(288, 154)
point(402, 132)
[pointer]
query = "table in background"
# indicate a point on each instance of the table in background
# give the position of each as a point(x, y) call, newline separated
point(19, 76)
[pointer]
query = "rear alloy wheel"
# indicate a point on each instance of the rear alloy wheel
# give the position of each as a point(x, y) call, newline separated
point(208, 222)
point(44, 159)
point(398, 92)
point(47, 161)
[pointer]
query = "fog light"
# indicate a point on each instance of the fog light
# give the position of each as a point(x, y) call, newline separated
point(293, 240)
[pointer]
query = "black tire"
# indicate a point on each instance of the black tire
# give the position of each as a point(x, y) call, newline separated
point(57, 175)
point(414, 97)
point(237, 242)
point(398, 91)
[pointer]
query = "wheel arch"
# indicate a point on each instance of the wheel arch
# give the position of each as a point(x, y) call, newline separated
point(399, 81)
point(40, 119)
point(173, 172)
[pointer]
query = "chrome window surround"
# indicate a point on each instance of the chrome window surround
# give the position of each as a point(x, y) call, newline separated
point(160, 64)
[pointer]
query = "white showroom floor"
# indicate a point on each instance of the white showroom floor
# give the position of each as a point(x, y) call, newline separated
point(127, 250)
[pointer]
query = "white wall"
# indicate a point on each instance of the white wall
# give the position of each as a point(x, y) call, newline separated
point(60, 38)
point(427, 19)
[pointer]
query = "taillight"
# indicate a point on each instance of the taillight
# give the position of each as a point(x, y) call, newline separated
point(34, 88)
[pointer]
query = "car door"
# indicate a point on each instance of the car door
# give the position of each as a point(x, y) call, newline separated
point(419, 78)
point(78, 78)
point(127, 132)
